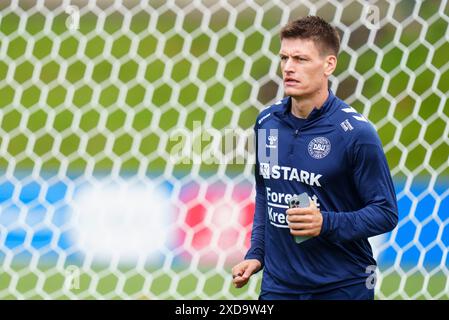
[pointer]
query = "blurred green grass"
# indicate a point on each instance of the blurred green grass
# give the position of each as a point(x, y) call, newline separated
point(135, 286)
point(189, 284)
point(87, 99)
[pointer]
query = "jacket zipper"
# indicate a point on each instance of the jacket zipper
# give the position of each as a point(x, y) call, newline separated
point(295, 135)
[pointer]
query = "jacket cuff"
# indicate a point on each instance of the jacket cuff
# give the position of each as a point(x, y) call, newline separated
point(326, 223)
point(258, 257)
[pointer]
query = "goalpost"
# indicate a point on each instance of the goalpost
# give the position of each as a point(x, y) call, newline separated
point(97, 98)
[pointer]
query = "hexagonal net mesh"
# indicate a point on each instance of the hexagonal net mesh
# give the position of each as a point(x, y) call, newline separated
point(93, 92)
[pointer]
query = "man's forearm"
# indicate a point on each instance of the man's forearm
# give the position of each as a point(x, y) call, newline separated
point(367, 222)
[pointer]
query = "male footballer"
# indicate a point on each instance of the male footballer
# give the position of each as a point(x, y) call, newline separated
point(313, 143)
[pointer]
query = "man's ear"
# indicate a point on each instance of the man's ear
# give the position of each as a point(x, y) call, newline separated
point(330, 64)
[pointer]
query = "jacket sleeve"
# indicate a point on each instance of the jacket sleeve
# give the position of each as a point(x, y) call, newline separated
point(257, 249)
point(372, 180)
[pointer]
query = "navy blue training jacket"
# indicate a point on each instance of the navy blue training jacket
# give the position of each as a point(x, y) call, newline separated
point(337, 158)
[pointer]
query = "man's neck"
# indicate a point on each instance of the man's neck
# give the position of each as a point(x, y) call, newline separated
point(303, 106)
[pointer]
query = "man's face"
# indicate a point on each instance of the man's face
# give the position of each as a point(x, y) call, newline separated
point(304, 70)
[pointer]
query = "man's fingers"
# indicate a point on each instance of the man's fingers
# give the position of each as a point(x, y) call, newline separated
point(299, 211)
point(243, 271)
point(303, 225)
point(248, 272)
point(238, 270)
point(239, 281)
point(312, 204)
point(300, 226)
point(240, 284)
point(300, 218)
point(303, 233)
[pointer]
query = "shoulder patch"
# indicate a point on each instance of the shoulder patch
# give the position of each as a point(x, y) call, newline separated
point(358, 117)
point(346, 125)
point(349, 110)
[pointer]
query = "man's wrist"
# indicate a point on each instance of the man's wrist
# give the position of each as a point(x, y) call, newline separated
point(254, 257)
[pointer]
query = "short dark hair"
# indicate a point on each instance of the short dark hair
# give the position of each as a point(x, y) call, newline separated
point(324, 35)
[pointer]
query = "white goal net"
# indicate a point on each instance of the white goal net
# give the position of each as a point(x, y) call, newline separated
point(96, 95)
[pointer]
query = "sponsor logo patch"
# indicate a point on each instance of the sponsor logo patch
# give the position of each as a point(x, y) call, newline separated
point(272, 142)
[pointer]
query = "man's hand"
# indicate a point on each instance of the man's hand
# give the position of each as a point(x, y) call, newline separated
point(243, 271)
point(305, 221)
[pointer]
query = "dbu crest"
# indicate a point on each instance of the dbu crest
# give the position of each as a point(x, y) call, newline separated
point(319, 147)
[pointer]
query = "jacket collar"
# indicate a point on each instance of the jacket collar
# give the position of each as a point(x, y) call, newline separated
point(316, 112)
